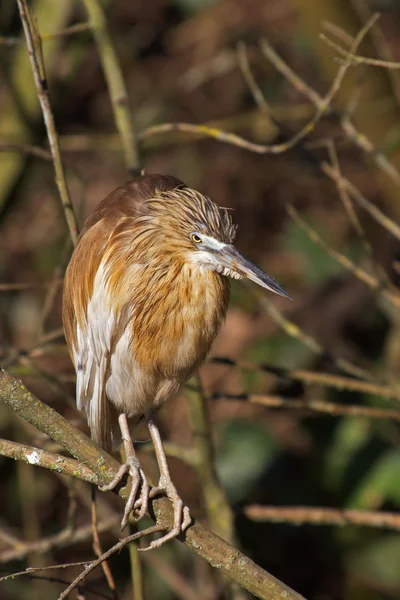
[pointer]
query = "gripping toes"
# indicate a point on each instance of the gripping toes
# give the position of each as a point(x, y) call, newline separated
point(139, 494)
point(182, 517)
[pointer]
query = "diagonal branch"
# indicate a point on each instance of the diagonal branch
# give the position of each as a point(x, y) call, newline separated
point(213, 549)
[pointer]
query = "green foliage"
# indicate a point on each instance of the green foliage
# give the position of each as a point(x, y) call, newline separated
point(245, 453)
point(378, 560)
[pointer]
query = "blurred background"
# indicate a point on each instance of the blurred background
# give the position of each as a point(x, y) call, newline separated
point(180, 63)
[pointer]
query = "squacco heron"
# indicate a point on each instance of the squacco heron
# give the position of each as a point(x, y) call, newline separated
point(145, 293)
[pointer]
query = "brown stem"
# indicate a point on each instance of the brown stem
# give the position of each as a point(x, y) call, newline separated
point(116, 85)
point(34, 50)
point(299, 515)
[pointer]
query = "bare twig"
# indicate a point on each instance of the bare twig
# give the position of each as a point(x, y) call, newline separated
point(323, 516)
point(26, 149)
point(323, 107)
point(34, 50)
point(313, 378)
point(116, 85)
point(16, 353)
point(315, 406)
point(206, 131)
point(358, 138)
point(67, 31)
point(31, 570)
point(356, 59)
point(255, 90)
point(21, 286)
point(59, 540)
point(344, 261)
point(345, 199)
point(381, 45)
point(362, 201)
point(97, 549)
point(115, 549)
point(295, 332)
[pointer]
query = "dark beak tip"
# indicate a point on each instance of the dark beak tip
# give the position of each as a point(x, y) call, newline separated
point(284, 294)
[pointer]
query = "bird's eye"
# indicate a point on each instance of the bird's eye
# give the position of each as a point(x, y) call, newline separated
point(196, 238)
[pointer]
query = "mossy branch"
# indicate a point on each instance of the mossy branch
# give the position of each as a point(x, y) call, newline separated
point(214, 550)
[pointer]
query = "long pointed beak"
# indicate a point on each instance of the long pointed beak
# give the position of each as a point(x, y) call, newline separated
point(231, 258)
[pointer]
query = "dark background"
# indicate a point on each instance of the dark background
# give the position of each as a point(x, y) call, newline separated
point(179, 60)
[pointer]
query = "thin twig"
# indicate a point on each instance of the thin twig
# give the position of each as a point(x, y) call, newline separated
point(356, 59)
point(105, 556)
point(314, 406)
point(97, 549)
point(323, 516)
point(34, 50)
point(381, 45)
point(344, 261)
point(59, 540)
point(30, 570)
point(26, 149)
point(21, 286)
point(67, 31)
point(337, 31)
point(323, 107)
point(136, 557)
point(17, 353)
point(362, 201)
point(295, 332)
point(255, 90)
point(312, 378)
point(358, 138)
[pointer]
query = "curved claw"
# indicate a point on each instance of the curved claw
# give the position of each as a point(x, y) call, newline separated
point(139, 481)
point(142, 502)
point(182, 517)
point(117, 479)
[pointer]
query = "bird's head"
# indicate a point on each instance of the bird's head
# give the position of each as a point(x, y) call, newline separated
point(203, 234)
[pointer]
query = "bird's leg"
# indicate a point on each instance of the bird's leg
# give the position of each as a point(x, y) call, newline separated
point(133, 468)
point(165, 486)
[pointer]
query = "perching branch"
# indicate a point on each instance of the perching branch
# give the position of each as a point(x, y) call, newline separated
point(213, 549)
